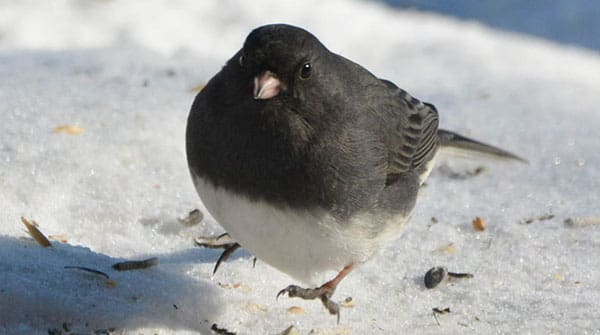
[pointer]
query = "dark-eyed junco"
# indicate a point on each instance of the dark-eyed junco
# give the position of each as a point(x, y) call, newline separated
point(307, 159)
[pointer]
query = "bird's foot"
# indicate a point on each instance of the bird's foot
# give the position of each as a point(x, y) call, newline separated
point(294, 291)
point(323, 292)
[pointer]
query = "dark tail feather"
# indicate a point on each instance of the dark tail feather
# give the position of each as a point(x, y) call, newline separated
point(453, 140)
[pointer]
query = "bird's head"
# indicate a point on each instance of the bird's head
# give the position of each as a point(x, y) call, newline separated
point(280, 60)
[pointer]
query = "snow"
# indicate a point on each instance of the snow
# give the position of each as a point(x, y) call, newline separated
point(125, 72)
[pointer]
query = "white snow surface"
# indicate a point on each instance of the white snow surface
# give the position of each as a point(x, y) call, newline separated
point(124, 72)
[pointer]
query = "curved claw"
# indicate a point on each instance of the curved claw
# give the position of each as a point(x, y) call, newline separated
point(332, 307)
point(289, 290)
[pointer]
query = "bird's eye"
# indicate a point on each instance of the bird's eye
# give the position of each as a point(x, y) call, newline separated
point(241, 60)
point(305, 71)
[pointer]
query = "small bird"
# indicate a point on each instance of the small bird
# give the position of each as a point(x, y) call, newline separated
point(307, 159)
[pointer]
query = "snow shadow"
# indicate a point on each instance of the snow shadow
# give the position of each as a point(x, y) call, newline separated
point(563, 21)
point(36, 290)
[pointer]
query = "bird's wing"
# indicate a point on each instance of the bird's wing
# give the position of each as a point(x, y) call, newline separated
point(413, 141)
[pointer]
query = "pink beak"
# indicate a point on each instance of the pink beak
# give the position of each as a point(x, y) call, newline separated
point(266, 86)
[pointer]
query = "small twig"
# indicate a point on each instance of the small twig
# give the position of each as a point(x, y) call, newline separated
point(543, 217)
point(225, 255)
point(220, 331)
point(437, 310)
point(288, 331)
point(222, 241)
point(136, 265)
point(88, 270)
point(460, 275)
point(37, 235)
point(436, 319)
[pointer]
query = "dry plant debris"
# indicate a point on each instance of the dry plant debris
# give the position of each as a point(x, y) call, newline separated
point(37, 235)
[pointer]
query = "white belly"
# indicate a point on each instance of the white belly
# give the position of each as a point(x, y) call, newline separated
point(303, 244)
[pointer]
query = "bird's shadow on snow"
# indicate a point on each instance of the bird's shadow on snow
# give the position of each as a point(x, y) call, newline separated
point(37, 290)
